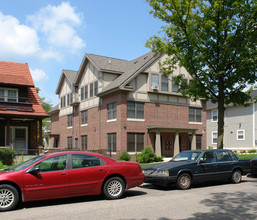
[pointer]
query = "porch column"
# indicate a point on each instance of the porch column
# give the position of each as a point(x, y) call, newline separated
point(193, 144)
point(176, 144)
point(40, 136)
point(158, 144)
point(8, 132)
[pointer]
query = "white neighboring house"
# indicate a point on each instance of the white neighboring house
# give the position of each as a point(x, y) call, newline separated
point(240, 126)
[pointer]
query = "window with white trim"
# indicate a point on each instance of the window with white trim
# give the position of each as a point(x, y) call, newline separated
point(240, 134)
point(135, 110)
point(214, 115)
point(84, 117)
point(8, 95)
point(70, 120)
point(155, 80)
point(112, 110)
point(214, 137)
point(195, 115)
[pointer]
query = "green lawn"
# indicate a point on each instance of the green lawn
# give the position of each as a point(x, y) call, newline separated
point(247, 156)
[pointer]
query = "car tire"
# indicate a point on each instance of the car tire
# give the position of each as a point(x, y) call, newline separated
point(114, 188)
point(236, 176)
point(9, 197)
point(184, 181)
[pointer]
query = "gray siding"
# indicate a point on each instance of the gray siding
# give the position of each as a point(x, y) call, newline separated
point(236, 118)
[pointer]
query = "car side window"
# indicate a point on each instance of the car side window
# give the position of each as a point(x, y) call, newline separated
point(223, 156)
point(208, 157)
point(53, 164)
point(83, 161)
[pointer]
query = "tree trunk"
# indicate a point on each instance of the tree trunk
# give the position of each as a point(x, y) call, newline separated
point(221, 110)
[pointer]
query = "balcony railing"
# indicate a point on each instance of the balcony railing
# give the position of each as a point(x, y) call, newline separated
point(15, 104)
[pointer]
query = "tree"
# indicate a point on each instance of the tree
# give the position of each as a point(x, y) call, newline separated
point(215, 40)
point(47, 107)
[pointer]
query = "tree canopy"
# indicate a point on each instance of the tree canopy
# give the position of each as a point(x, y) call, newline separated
point(215, 40)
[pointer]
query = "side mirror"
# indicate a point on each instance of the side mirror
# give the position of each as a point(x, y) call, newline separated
point(202, 161)
point(34, 170)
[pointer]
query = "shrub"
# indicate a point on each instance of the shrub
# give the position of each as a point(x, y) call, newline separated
point(252, 151)
point(7, 157)
point(125, 156)
point(147, 156)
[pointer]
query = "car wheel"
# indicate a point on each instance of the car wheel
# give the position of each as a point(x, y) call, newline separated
point(236, 176)
point(114, 188)
point(184, 181)
point(9, 197)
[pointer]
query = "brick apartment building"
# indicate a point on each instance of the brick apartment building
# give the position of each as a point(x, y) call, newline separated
point(21, 112)
point(111, 105)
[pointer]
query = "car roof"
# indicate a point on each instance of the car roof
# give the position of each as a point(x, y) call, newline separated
point(77, 152)
point(208, 150)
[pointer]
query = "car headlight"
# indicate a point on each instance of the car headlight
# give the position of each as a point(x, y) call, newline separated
point(163, 173)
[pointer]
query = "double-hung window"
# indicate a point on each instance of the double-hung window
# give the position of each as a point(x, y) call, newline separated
point(112, 111)
point(70, 120)
point(240, 134)
point(214, 115)
point(84, 117)
point(155, 80)
point(214, 137)
point(164, 85)
point(91, 90)
point(69, 142)
point(84, 142)
point(111, 142)
point(195, 115)
point(135, 142)
point(135, 110)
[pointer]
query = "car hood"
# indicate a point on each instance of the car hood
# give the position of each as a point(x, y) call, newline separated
point(168, 165)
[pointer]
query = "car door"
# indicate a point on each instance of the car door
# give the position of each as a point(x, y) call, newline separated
point(86, 175)
point(207, 167)
point(224, 164)
point(50, 182)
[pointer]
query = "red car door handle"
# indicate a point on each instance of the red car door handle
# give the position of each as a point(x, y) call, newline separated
point(63, 174)
point(101, 170)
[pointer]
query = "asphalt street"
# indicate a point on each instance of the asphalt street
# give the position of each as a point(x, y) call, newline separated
point(206, 201)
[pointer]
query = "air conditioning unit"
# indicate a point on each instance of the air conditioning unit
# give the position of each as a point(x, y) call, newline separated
point(155, 87)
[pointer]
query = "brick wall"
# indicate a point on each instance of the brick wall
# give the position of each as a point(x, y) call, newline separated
point(97, 128)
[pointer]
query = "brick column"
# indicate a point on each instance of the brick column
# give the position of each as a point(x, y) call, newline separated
point(176, 144)
point(158, 144)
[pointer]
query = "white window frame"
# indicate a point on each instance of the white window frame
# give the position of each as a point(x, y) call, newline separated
point(6, 94)
point(212, 137)
point(243, 134)
point(212, 114)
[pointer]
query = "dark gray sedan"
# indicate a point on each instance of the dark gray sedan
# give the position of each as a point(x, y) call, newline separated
point(198, 166)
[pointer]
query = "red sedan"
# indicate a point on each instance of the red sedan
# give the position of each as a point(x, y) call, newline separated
point(67, 174)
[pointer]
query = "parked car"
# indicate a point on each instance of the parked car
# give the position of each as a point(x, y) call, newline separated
point(67, 174)
point(197, 166)
point(254, 166)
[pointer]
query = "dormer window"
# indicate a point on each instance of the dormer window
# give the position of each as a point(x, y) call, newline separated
point(9, 95)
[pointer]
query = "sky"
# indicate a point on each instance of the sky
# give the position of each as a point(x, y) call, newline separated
point(52, 35)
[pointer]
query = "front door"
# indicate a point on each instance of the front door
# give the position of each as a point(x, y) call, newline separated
point(19, 139)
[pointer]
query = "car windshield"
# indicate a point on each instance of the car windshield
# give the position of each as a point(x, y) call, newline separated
point(27, 163)
point(187, 156)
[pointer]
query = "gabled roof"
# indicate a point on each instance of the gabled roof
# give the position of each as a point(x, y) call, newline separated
point(125, 70)
point(18, 74)
point(15, 73)
point(136, 66)
point(210, 105)
point(70, 75)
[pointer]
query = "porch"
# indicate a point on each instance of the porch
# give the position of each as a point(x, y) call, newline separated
point(169, 141)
